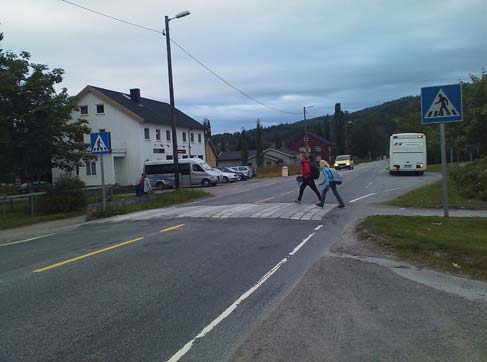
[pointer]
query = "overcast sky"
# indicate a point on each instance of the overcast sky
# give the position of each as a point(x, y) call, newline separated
point(285, 53)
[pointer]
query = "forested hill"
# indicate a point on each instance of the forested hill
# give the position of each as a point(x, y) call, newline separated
point(378, 122)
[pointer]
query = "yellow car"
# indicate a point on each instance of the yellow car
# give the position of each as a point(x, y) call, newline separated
point(343, 161)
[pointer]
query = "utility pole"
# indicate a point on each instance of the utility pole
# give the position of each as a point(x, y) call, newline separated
point(306, 138)
point(172, 111)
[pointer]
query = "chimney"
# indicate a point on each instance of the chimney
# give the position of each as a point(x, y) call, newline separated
point(135, 95)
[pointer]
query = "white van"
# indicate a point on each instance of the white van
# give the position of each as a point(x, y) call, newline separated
point(407, 153)
point(192, 171)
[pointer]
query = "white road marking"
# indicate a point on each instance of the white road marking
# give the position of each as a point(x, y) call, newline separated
point(391, 190)
point(187, 347)
point(318, 227)
point(363, 197)
point(296, 249)
point(287, 193)
point(26, 240)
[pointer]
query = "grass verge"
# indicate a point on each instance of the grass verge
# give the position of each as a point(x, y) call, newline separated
point(165, 199)
point(430, 196)
point(13, 220)
point(456, 245)
point(276, 171)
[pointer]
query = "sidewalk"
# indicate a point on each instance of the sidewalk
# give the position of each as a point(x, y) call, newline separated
point(40, 229)
point(357, 305)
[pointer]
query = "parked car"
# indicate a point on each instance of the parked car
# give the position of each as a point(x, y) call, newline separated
point(253, 172)
point(37, 186)
point(243, 176)
point(160, 182)
point(344, 161)
point(227, 176)
point(243, 169)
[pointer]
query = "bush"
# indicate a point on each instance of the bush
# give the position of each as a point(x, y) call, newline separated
point(66, 195)
point(471, 180)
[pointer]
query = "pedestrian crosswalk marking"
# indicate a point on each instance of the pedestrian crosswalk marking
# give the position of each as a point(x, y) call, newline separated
point(291, 211)
point(99, 145)
point(441, 107)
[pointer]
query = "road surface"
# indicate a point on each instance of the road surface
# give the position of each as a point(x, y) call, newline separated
point(185, 283)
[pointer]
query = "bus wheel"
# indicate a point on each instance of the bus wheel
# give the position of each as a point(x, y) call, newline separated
point(160, 186)
point(421, 173)
point(205, 182)
point(392, 173)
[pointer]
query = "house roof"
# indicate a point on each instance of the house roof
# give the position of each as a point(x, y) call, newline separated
point(212, 146)
point(320, 139)
point(229, 156)
point(146, 110)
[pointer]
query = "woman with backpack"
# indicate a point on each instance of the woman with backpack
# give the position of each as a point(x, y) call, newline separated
point(329, 183)
point(307, 177)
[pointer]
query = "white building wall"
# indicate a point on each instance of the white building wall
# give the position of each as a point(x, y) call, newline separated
point(129, 146)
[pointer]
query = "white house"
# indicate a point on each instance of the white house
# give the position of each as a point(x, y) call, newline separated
point(140, 130)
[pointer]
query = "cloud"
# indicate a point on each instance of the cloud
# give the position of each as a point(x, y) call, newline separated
point(285, 53)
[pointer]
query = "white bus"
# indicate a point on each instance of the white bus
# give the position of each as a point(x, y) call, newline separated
point(407, 153)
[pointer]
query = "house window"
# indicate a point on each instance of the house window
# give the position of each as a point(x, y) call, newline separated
point(91, 169)
point(200, 156)
point(158, 134)
point(184, 136)
point(168, 135)
point(191, 137)
point(199, 137)
point(84, 110)
point(102, 130)
point(159, 150)
point(169, 157)
point(301, 149)
point(318, 158)
point(146, 133)
point(100, 109)
point(268, 163)
point(317, 148)
point(185, 156)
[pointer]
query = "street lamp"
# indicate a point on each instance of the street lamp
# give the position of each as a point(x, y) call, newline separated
point(171, 98)
point(306, 138)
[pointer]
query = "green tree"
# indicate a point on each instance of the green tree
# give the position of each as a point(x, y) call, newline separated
point(36, 129)
point(339, 129)
point(244, 146)
point(259, 157)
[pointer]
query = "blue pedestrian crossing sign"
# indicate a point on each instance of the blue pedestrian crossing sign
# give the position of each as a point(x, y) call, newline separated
point(441, 104)
point(100, 143)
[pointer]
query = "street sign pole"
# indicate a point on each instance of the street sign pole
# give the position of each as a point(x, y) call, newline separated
point(100, 144)
point(443, 170)
point(442, 104)
point(103, 193)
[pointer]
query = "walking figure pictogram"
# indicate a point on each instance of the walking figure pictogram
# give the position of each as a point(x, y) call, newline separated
point(444, 104)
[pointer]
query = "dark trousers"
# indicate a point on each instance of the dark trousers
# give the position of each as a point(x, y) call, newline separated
point(333, 188)
point(311, 183)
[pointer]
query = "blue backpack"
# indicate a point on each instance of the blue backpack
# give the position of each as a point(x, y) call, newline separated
point(335, 176)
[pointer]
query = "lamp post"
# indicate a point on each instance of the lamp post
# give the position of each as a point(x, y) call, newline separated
point(306, 138)
point(172, 109)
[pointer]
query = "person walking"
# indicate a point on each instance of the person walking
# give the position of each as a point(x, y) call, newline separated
point(144, 184)
point(329, 184)
point(307, 177)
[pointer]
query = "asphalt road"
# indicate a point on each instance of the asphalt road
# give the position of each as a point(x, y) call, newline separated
point(184, 286)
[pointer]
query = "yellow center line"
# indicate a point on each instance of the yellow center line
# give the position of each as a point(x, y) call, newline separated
point(52, 266)
point(287, 193)
point(172, 228)
point(269, 198)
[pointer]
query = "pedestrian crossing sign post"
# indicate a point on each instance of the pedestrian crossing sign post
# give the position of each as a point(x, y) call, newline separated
point(100, 144)
point(442, 104)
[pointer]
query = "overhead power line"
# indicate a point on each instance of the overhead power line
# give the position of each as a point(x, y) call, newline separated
point(207, 68)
